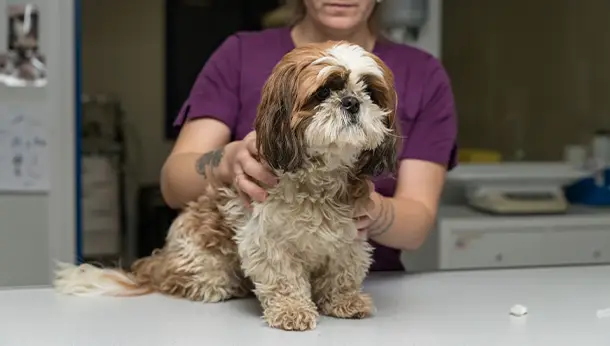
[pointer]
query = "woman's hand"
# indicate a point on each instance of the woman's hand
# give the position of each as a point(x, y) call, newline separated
point(249, 172)
point(365, 217)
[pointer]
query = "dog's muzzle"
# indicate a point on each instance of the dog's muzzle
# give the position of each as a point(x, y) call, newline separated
point(351, 106)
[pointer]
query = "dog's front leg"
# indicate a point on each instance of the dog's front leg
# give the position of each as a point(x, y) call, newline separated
point(281, 283)
point(337, 288)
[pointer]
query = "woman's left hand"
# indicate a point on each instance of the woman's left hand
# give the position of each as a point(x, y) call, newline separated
point(367, 215)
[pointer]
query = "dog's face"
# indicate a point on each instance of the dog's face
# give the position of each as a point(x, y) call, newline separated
point(333, 102)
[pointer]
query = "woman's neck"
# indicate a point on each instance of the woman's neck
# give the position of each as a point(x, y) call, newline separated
point(306, 31)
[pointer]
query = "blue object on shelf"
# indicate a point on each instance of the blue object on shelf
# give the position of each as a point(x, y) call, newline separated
point(587, 192)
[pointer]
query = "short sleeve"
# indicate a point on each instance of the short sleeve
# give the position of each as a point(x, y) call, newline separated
point(433, 134)
point(215, 93)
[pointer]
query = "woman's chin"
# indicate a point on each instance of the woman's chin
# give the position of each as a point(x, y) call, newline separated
point(340, 23)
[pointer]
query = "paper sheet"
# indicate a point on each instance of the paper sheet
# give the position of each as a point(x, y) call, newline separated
point(23, 153)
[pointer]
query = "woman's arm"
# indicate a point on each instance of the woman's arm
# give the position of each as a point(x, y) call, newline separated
point(201, 153)
point(202, 148)
point(206, 120)
point(405, 219)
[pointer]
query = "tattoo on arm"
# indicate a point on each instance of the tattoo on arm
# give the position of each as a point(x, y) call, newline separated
point(208, 161)
point(384, 222)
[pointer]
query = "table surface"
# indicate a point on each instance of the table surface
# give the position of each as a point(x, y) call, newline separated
point(450, 308)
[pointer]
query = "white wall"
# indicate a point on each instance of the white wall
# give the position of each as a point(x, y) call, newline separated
point(37, 229)
point(430, 35)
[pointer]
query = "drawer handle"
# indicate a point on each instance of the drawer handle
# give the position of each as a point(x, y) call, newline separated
point(499, 257)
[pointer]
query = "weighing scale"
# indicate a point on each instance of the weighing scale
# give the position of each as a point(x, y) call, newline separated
point(517, 188)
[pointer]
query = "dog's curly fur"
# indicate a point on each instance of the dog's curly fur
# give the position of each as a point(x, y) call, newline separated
point(298, 251)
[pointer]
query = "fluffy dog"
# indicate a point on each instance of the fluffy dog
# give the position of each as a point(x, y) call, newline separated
point(325, 125)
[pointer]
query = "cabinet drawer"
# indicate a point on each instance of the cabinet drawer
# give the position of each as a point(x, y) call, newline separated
point(522, 247)
point(576, 246)
point(462, 249)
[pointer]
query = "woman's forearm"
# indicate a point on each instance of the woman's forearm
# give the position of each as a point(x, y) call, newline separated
point(183, 175)
point(401, 223)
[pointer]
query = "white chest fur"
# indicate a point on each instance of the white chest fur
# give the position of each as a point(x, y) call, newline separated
point(306, 215)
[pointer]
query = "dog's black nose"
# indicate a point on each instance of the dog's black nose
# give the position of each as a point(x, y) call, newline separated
point(350, 104)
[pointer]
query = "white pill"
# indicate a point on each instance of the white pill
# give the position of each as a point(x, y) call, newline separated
point(518, 310)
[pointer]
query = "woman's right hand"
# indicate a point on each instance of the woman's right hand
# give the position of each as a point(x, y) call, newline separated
point(248, 171)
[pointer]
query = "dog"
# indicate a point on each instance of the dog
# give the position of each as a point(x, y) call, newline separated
point(325, 125)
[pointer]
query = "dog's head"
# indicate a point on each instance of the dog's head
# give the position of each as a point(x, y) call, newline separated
point(333, 102)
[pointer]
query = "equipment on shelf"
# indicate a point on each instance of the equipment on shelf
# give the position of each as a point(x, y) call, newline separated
point(516, 188)
point(103, 178)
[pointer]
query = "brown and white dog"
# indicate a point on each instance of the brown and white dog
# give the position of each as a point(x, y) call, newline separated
point(325, 125)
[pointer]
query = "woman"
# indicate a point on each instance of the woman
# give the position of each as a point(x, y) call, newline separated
point(217, 120)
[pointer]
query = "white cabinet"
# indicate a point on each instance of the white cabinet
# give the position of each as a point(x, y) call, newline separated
point(465, 239)
point(484, 248)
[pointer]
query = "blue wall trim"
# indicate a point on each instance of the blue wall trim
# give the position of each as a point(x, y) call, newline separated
point(77, 127)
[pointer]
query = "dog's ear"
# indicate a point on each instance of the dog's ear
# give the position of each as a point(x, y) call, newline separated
point(279, 143)
point(382, 159)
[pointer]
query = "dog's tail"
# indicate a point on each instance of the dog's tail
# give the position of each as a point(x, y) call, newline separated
point(89, 280)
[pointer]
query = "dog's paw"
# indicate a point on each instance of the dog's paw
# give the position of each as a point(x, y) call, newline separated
point(290, 315)
point(355, 305)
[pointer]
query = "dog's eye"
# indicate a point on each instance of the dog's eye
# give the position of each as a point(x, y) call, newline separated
point(372, 94)
point(323, 93)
